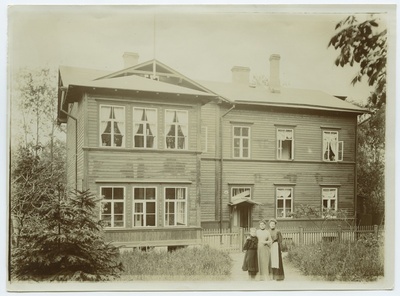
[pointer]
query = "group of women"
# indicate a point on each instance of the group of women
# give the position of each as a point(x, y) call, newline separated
point(263, 252)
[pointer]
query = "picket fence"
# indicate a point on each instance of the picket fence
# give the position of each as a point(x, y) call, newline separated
point(233, 240)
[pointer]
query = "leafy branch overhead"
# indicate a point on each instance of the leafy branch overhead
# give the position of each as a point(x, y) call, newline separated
point(365, 44)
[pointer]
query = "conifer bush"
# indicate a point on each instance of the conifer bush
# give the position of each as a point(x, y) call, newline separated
point(64, 241)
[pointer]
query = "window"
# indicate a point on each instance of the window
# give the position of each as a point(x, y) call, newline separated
point(144, 206)
point(284, 202)
point(175, 206)
point(240, 192)
point(112, 206)
point(284, 144)
point(176, 129)
point(144, 128)
point(241, 142)
point(332, 149)
point(329, 202)
point(112, 126)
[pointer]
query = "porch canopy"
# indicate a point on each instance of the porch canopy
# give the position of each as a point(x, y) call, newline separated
point(242, 198)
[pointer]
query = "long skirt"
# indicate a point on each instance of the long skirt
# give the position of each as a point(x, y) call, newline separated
point(250, 263)
point(276, 265)
point(263, 254)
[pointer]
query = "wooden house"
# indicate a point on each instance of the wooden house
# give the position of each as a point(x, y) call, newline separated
point(170, 155)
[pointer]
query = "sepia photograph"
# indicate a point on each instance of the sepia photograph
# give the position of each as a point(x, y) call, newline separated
point(200, 148)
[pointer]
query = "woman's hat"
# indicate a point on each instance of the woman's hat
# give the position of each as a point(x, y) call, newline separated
point(272, 220)
point(263, 221)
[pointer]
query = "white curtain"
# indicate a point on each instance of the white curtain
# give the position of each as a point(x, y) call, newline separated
point(104, 117)
point(183, 121)
point(284, 193)
point(285, 135)
point(329, 194)
point(120, 119)
point(137, 118)
point(152, 120)
point(331, 140)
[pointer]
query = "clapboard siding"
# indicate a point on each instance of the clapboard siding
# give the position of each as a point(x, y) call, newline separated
point(263, 123)
point(210, 119)
point(94, 103)
point(208, 191)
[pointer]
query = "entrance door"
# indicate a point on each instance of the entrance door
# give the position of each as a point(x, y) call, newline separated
point(241, 215)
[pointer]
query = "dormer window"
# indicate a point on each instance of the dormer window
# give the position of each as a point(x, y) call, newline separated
point(176, 129)
point(112, 126)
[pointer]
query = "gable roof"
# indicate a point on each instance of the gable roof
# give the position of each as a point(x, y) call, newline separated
point(288, 97)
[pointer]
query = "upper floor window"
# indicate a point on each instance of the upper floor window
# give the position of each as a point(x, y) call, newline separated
point(144, 128)
point(112, 126)
point(241, 142)
point(175, 206)
point(176, 129)
point(285, 144)
point(329, 202)
point(240, 192)
point(284, 202)
point(332, 148)
point(144, 206)
point(112, 206)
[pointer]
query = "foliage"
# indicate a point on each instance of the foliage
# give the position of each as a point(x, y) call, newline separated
point(186, 263)
point(66, 244)
point(371, 163)
point(336, 261)
point(363, 43)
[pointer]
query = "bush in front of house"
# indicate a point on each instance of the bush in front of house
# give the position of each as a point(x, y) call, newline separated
point(186, 263)
point(356, 261)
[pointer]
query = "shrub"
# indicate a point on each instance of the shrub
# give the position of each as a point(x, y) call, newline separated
point(344, 261)
point(182, 263)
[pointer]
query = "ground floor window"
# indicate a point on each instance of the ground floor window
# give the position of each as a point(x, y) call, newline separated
point(329, 202)
point(144, 206)
point(175, 206)
point(284, 202)
point(112, 206)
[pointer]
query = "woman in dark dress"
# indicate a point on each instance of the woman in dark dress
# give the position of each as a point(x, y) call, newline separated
point(250, 263)
point(276, 265)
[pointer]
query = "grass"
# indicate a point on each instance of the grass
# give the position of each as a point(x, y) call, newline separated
point(196, 263)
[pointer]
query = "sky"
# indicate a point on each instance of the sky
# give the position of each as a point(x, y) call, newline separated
point(202, 43)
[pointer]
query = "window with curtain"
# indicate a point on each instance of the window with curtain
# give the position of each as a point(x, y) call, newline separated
point(241, 142)
point(332, 148)
point(144, 128)
point(175, 206)
point(285, 144)
point(112, 206)
point(144, 206)
point(176, 129)
point(329, 202)
point(112, 126)
point(284, 202)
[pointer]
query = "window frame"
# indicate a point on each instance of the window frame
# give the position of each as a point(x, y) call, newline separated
point(103, 200)
point(279, 147)
point(284, 202)
point(241, 187)
point(144, 202)
point(329, 200)
point(166, 124)
point(339, 147)
point(166, 201)
point(123, 144)
point(241, 138)
point(155, 132)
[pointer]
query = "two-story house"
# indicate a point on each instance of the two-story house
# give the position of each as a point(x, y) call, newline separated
point(170, 155)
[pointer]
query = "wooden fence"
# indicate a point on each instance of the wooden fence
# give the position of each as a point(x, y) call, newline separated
point(233, 240)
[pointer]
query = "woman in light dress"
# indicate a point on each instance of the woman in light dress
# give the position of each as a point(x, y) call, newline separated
point(263, 250)
point(276, 264)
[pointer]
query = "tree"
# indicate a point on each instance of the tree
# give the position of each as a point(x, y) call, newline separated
point(68, 245)
point(363, 43)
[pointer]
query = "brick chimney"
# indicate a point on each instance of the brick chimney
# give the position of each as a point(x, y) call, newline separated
point(240, 75)
point(130, 59)
point(274, 80)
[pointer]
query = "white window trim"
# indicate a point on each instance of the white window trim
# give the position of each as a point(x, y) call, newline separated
point(144, 206)
point(166, 131)
point(155, 132)
point(241, 142)
point(338, 144)
point(329, 199)
point(112, 208)
point(165, 206)
point(112, 130)
point(279, 147)
point(284, 199)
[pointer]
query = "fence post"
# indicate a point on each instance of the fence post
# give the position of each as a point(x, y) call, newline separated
point(376, 232)
point(241, 238)
point(340, 233)
point(301, 235)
